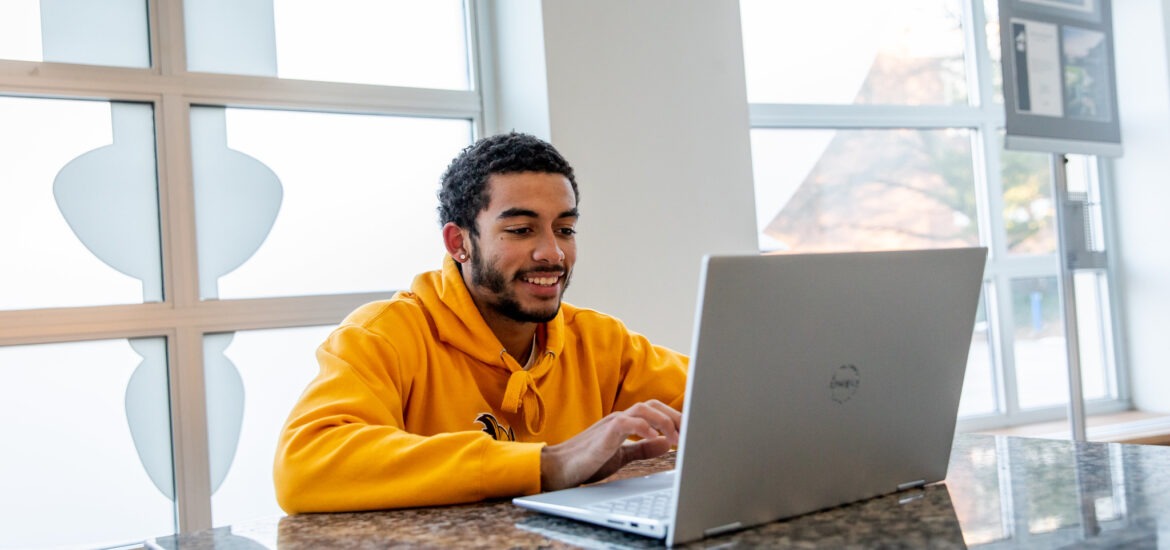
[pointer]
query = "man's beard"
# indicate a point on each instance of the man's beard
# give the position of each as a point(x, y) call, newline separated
point(488, 276)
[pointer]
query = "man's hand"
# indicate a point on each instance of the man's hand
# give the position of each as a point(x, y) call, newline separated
point(601, 450)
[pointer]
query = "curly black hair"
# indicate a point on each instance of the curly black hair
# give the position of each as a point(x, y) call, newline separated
point(463, 192)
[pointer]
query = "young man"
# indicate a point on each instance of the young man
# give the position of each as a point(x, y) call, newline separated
point(479, 382)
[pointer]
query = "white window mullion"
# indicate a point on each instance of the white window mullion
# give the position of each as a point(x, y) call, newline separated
point(1116, 324)
point(985, 159)
point(984, 93)
point(246, 91)
point(863, 116)
point(40, 79)
point(1004, 354)
point(189, 430)
point(154, 319)
point(177, 211)
point(1000, 312)
point(188, 403)
point(168, 53)
point(993, 191)
point(994, 319)
point(980, 69)
point(479, 27)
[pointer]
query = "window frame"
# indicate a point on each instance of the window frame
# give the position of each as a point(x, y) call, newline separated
point(182, 318)
point(985, 119)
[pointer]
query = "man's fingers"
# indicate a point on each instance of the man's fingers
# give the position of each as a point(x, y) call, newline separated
point(663, 419)
point(630, 452)
point(604, 447)
point(646, 448)
point(624, 425)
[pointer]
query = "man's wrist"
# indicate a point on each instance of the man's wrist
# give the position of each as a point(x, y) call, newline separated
point(546, 468)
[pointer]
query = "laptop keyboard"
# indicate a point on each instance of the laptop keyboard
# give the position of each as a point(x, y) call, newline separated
point(654, 505)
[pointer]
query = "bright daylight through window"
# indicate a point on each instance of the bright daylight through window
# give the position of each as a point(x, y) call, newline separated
point(248, 179)
point(888, 134)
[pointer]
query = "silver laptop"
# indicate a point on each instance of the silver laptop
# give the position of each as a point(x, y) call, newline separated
point(816, 380)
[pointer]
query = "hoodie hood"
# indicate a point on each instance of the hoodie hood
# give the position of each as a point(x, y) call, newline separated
point(460, 325)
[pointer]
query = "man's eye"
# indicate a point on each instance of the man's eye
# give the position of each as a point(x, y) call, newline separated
point(567, 231)
point(518, 230)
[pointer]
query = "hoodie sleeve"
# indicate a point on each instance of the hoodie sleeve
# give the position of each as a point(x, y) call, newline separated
point(344, 446)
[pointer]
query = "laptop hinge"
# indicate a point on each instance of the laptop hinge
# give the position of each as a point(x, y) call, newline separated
point(722, 529)
point(911, 484)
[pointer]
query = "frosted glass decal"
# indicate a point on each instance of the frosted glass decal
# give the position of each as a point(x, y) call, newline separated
point(57, 158)
point(292, 203)
point(72, 473)
point(231, 37)
point(236, 200)
point(275, 366)
point(90, 32)
point(148, 413)
point(105, 32)
point(110, 199)
point(225, 405)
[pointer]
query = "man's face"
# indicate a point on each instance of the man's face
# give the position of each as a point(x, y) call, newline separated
point(523, 257)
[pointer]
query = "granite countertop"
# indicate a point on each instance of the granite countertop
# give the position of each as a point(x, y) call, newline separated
point(1000, 492)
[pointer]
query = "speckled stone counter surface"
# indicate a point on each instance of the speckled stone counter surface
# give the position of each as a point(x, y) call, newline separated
point(1000, 492)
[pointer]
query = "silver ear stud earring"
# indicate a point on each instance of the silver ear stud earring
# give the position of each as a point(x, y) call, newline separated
point(462, 257)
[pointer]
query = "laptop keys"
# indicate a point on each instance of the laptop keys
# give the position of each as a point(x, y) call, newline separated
point(654, 505)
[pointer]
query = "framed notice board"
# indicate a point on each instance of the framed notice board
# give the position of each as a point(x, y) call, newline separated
point(1058, 76)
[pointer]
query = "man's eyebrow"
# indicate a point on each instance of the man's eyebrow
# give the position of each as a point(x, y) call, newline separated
point(517, 213)
point(526, 213)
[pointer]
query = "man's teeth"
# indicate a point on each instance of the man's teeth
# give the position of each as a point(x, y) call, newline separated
point(543, 281)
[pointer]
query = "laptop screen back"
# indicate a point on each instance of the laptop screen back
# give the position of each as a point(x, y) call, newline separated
point(821, 379)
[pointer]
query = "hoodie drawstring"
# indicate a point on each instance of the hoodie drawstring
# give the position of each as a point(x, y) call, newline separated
point(521, 391)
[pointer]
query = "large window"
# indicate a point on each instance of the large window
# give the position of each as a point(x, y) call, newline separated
point(191, 195)
point(879, 125)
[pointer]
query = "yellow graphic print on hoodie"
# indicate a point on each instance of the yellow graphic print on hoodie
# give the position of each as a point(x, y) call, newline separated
point(395, 416)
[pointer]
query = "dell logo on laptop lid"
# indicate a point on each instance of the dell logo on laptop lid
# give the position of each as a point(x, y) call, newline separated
point(845, 382)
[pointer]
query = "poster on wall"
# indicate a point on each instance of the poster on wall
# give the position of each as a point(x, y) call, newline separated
point(1058, 76)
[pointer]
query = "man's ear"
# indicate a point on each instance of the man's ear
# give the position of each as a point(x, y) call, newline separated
point(457, 241)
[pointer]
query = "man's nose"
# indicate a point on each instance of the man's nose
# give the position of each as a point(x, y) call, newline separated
point(548, 250)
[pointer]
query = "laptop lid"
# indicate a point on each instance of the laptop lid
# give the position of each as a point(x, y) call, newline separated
point(816, 380)
point(819, 380)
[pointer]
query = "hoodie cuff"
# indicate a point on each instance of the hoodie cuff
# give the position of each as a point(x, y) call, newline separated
point(511, 468)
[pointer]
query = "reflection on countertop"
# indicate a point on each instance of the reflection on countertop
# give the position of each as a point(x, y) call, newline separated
point(1000, 492)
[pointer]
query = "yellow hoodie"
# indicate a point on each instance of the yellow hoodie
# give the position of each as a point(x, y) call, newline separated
point(418, 404)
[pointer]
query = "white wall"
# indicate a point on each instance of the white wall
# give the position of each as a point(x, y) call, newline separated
point(647, 100)
point(1142, 193)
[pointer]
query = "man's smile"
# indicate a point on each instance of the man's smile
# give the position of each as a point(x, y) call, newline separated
point(542, 284)
point(541, 280)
